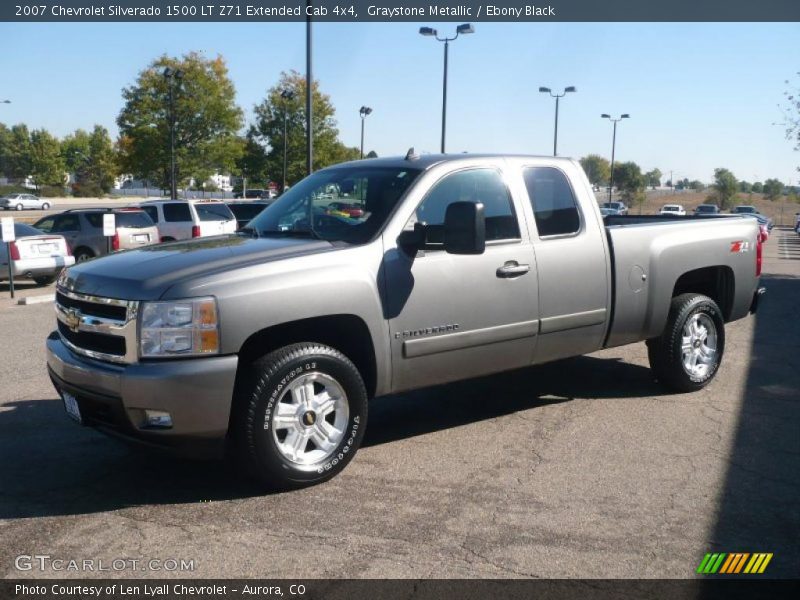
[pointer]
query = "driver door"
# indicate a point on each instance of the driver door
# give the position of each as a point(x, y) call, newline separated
point(457, 316)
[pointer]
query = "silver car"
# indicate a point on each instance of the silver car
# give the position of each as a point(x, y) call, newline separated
point(35, 255)
point(23, 201)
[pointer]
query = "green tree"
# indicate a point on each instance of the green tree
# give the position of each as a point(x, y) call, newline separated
point(18, 153)
point(791, 111)
point(653, 178)
point(252, 164)
point(628, 179)
point(725, 186)
point(773, 189)
point(372, 154)
point(597, 169)
point(206, 120)
point(47, 166)
point(268, 128)
point(758, 187)
point(745, 187)
point(5, 146)
point(696, 185)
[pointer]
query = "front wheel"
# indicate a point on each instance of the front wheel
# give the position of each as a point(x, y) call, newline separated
point(19, 207)
point(302, 414)
point(687, 356)
point(45, 206)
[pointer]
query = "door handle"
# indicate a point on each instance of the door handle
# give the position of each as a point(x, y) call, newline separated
point(512, 269)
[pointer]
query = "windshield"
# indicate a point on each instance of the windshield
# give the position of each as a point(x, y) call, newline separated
point(744, 209)
point(706, 208)
point(348, 204)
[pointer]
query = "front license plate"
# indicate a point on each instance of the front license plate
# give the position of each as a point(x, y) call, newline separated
point(71, 405)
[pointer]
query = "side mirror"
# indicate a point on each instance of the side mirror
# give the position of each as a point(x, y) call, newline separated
point(464, 228)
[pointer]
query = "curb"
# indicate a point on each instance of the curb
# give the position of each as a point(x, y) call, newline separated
point(36, 299)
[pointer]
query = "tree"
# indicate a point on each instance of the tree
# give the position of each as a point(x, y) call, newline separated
point(773, 189)
point(724, 187)
point(630, 182)
point(5, 146)
point(745, 187)
point(653, 178)
point(47, 166)
point(696, 185)
point(17, 154)
point(252, 164)
point(268, 129)
point(372, 154)
point(791, 111)
point(206, 121)
point(597, 169)
point(758, 187)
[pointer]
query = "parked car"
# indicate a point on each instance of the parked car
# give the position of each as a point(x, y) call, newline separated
point(619, 208)
point(604, 212)
point(675, 210)
point(706, 209)
point(187, 219)
point(24, 201)
point(35, 255)
point(464, 265)
point(744, 209)
point(245, 211)
point(252, 194)
point(83, 230)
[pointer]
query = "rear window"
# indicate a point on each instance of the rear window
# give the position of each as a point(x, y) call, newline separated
point(245, 212)
point(176, 212)
point(209, 211)
point(554, 205)
point(152, 212)
point(133, 219)
point(22, 230)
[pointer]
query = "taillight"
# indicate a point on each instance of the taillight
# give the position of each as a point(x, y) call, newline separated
point(115, 242)
point(69, 250)
point(14, 251)
point(195, 231)
point(759, 250)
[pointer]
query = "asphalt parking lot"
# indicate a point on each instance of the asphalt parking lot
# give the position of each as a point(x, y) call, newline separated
point(580, 468)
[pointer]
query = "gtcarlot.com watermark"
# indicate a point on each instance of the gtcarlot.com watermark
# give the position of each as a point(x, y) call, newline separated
point(48, 563)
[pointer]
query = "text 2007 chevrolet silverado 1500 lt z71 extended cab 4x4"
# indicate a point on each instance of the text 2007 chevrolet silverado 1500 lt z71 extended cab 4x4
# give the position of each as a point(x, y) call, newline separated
point(271, 341)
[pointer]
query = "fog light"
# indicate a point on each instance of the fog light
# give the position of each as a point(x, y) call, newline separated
point(157, 418)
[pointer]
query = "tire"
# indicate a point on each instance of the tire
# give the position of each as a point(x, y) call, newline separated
point(82, 255)
point(283, 447)
point(45, 206)
point(687, 356)
point(44, 280)
point(19, 207)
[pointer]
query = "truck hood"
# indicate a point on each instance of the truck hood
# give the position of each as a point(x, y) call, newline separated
point(146, 273)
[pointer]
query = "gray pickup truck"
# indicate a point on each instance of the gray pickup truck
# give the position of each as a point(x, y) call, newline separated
point(379, 276)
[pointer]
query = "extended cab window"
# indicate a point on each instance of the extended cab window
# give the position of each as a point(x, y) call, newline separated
point(174, 213)
point(553, 202)
point(475, 185)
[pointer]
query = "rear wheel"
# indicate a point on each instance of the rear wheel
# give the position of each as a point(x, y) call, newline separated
point(687, 356)
point(83, 254)
point(45, 206)
point(44, 280)
point(302, 411)
point(19, 207)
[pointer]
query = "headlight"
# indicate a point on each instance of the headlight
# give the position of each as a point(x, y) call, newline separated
point(179, 328)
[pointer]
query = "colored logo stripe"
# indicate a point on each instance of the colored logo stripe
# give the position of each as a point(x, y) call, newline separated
point(734, 562)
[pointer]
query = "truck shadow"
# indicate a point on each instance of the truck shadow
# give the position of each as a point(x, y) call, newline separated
point(52, 467)
point(757, 506)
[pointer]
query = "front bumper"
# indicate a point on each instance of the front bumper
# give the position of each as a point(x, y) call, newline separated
point(756, 299)
point(196, 392)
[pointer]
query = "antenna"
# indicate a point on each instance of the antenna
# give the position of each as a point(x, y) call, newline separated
point(411, 155)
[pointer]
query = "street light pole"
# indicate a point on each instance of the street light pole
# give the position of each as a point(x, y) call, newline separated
point(364, 111)
point(567, 90)
point(171, 75)
point(286, 95)
point(309, 86)
point(460, 30)
point(613, 147)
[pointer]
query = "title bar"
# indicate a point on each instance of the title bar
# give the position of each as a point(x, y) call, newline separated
point(403, 11)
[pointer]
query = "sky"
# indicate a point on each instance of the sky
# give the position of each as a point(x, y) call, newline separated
point(700, 95)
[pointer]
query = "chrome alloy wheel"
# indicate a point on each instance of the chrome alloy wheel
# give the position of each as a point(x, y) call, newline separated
point(310, 418)
point(699, 345)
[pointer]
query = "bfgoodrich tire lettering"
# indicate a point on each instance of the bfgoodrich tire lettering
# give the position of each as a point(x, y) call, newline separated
point(302, 411)
point(687, 356)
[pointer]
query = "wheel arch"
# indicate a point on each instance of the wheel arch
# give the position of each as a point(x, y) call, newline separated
point(718, 282)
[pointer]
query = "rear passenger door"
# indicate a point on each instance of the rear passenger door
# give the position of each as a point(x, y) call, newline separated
point(572, 267)
point(457, 316)
point(69, 226)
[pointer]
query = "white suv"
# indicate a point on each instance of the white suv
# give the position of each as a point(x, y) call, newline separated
point(186, 219)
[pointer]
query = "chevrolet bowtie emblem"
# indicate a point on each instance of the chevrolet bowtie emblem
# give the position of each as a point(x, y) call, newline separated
point(73, 319)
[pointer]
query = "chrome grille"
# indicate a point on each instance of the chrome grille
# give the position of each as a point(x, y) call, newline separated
point(100, 328)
